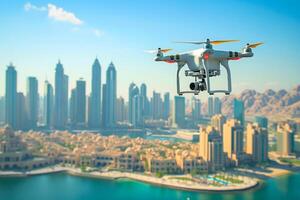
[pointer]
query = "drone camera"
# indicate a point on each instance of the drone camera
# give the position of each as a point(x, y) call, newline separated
point(198, 86)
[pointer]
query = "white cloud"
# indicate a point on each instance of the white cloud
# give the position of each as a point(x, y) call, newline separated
point(98, 32)
point(60, 14)
point(28, 6)
point(56, 13)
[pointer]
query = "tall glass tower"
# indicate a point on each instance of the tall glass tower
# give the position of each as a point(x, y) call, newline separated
point(179, 111)
point(48, 104)
point(32, 99)
point(110, 96)
point(61, 97)
point(80, 103)
point(238, 111)
point(11, 96)
point(95, 97)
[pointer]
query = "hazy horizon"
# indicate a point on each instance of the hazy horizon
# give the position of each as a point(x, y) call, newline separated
point(35, 34)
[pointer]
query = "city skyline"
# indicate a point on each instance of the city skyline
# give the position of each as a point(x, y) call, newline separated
point(47, 38)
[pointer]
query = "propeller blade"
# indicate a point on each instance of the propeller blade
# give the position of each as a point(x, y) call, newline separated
point(255, 45)
point(155, 51)
point(165, 50)
point(216, 42)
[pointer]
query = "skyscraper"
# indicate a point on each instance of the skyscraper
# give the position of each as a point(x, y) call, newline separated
point(238, 111)
point(22, 119)
point(166, 106)
point(145, 106)
point(132, 92)
point(217, 106)
point(111, 96)
point(210, 105)
point(121, 110)
point(262, 121)
point(233, 137)
point(66, 99)
point(137, 103)
point(48, 104)
point(104, 106)
point(257, 142)
point(11, 96)
point(211, 148)
point(61, 97)
point(94, 120)
point(285, 139)
point(217, 121)
point(2, 110)
point(196, 109)
point(32, 98)
point(73, 107)
point(180, 111)
point(80, 103)
point(157, 106)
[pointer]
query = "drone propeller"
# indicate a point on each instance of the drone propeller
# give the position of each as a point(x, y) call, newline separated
point(254, 45)
point(159, 49)
point(215, 42)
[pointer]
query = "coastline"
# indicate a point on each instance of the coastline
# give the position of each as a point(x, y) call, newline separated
point(166, 181)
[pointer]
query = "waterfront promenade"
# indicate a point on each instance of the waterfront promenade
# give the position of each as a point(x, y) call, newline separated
point(182, 182)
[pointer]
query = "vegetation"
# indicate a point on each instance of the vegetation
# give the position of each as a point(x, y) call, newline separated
point(159, 174)
point(83, 168)
point(182, 178)
point(195, 172)
point(290, 161)
point(229, 179)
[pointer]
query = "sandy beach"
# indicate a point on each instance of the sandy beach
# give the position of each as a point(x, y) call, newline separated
point(166, 181)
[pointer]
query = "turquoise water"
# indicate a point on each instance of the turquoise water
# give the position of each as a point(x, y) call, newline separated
point(65, 187)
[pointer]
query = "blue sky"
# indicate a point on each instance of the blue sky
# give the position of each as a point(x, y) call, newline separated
point(119, 31)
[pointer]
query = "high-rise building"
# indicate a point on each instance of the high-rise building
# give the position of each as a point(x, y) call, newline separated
point(137, 103)
point(80, 103)
point(48, 104)
point(11, 96)
point(210, 106)
point(238, 111)
point(166, 106)
point(180, 111)
point(61, 98)
point(196, 109)
point(262, 121)
point(233, 137)
point(217, 121)
point(73, 107)
point(110, 97)
point(94, 120)
point(211, 148)
point(121, 110)
point(2, 110)
point(32, 99)
point(66, 99)
point(104, 106)
point(132, 112)
point(145, 106)
point(157, 106)
point(257, 142)
point(217, 106)
point(22, 117)
point(285, 139)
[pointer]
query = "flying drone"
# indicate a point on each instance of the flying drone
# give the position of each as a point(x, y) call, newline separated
point(204, 63)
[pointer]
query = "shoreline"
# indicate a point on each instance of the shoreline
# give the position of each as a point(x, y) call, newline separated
point(167, 181)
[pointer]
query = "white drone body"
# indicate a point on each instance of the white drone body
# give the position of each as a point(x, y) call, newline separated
point(204, 63)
